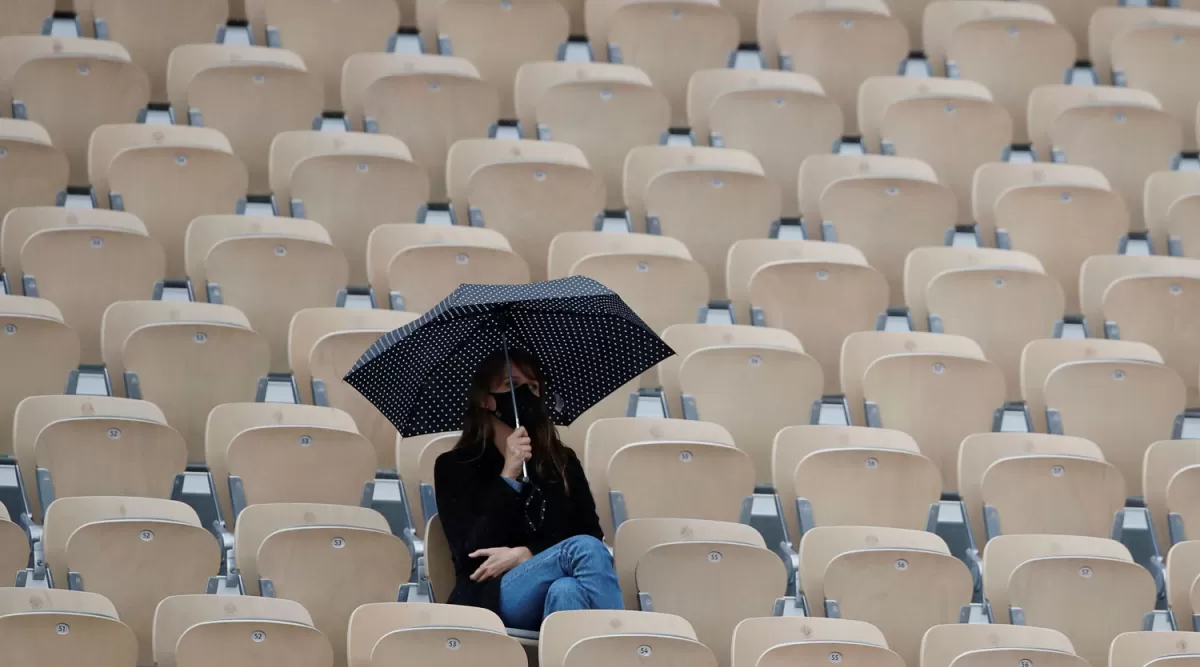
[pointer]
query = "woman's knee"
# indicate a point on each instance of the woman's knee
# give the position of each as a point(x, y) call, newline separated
point(565, 594)
point(585, 545)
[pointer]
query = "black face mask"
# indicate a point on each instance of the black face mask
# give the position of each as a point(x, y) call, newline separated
point(530, 407)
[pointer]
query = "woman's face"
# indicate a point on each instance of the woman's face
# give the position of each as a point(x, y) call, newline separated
point(500, 384)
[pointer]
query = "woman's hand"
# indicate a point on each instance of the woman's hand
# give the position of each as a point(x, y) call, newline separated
point(517, 451)
point(499, 559)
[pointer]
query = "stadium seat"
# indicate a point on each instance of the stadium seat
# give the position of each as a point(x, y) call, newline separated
point(1158, 310)
point(432, 645)
point(888, 217)
point(861, 349)
point(133, 551)
point(562, 101)
point(1152, 58)
point(1140, 648)
point(1182, 232)
point(526, 191)
point(419, 277)
point(938, 399)
point(371, 622)
point(33, 171)
point(779, 117)
point(362, 69)
point(311, 324)
point(644, 163)
point(409, 465)
point(798, 295)
point(387, 241)
point(1052, 495)
point(351, 182)
point(1182, 494)
point(878, 93)
point(924, 264)
point(615, 404)
point(747, 256)
point(1001, 309)
point(604, 650)
point(71, 86)
point(84, 261)
point(994, 179)
point(1122, 405)
point(109, 140)
point(253, 642)
point(805, 652)
point(422, 478)
point(1046, 103)
point(742, 578)
point(36, 639)
point(868, 486)
point(605, 437)
point(249, 94)
point(686, 480)
point(1163, 460)
point(755, 636)
point(177, 614)
point(1004, 656)
point(14, 547)
point(37, 353)
point(942, 644)
point(1163, 190)
point(22, 600)
point(942, 18)
point(562, 631)
point(439, 564)
point(1075, 15)
point(25, 18)
point(662, 289)
point(752, 390)
point(269, 268)
point(1101, 271)
point(687, 338)
point(818, 171)
point(325, 34)
point(228, 420)
point(1185, 567)
point(924, 585)
point(350, 559)
point(1109, 22)
point(569, 248)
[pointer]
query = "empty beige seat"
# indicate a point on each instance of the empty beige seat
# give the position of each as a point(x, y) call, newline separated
point(326, 34)
point(86, 260)
point(37, 639)
point(467, 156)
point(888, 217)
point(604, 650)
point(1075, 15)
point(421, 479)
point(311, 324)
point(868, 486)
point(1003, 656)
point(822, 303)
point(1181, 230)
point(562, 631)
point(21, 600)
point(1164, 459)
point(942, 644)
point(433, 645)
point(818, 171)
point(37, 353)
point(1121, 405)
point(749, 255)
point(253, 642)
point(615, 404)
point(1185, 567)
point(924, 264)
point(371, 622)
point(269, 268)
point(668, 555)
point(753, 391)
point(877, 94)
point(995, 179)
point(705, 480)
point(175, 615)
point(109, 140)
point(1160, 311)
point(1140, 648)
point(780, 117)
point(1046, 103)
point(568, 248)
point(33, 172)
point(1052, 495)
point(754, 636)
point(1001, 309)
point(606, 110)
point(1152, 58)
point(71, 86)
point(842, 44)
point(386, 241)
point(663, 290)
point(1101, 271)
point(133, 551)
point(25, 18)
point(793, 652)
point(1110, 22)
point(1182, 494)
point(1163, 190)
point(337, 542)
point(250, 98)
point(419, 277)
point(14, 547)
point(941, 19)
point(1125, 142)
point(938, 399)
point(644, 163)
point(167, 345)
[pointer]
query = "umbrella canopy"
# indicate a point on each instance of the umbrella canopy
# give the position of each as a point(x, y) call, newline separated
point(588, 341)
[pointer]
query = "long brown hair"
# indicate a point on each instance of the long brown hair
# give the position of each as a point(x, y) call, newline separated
point(549, 456)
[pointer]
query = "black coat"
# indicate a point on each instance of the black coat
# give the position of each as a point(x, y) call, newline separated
point(479, 510)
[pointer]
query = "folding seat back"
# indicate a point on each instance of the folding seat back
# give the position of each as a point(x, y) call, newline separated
point(1046, 103)
point(938, 399)
point(109, 140)
point(371, 622)
point(451, 647)
point(38, 639)
point(1127, 143)
point(1185, 568)
point(615, 404)
point(25, 18)
point(745, 257)
point(707, 85)
point(1121, 405)
point(534, 79)
point(568, 248)
point(1129, 648)
point(188, 60)
point(1001, 309)
point(150, 30)
point(467, 156)
point(423, 479)
point(995, 179)
point(1075, 15)
point(564, 630)
point(177, 614)
point(1163, 460)
point(923, 127)
point(289, 149)
point(842, 44)
point(414, 461)
point(868, 486)
point(22, 600)
point(253, 642)
point(1053, 495)
point(1160, 311)
point(77, 87)
point(821, 303)
point(1163, 190)
point(1004, 656)
point(429, 110)
point(135, 559)
point(755, 636)
point(687, 338)
point(662, 290)
point(818, 171)
point(888, 217)
point(36, 352)
point(878, 93)
point(1098, 273)
point(419, 277)
point(924, 264)
point(1152, 57)
point(439, 564)
point(1183, 491)
point(942, 644)
point(604, 650)
point(33, 171)
point(1110, 22)
point(1181, 230)
point(85, 269)
point(386, 241)
point(14, 547)
point(311, 324)
point(806, 651)
point(753, 391)
point(644, 163)
point(942, 18)
point(708, 480)
point(362, 69)
point(980, 450)
point(1063, 593)
point(16, 50)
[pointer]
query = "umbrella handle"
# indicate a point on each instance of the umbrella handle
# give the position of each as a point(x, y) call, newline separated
point(512, 392)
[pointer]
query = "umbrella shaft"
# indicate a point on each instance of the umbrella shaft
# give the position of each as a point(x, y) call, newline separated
point(512, 392)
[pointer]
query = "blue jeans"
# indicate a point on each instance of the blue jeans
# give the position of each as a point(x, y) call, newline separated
point(576, 573)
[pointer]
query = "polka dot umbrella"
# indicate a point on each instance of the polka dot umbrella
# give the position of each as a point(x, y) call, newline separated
point(588, 341)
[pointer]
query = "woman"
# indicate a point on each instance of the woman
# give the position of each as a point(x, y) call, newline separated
point(522, 548)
